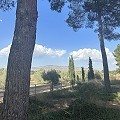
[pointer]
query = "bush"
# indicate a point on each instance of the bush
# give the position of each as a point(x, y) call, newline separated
point(98, 76)
point(35, 109)
point(115, 82)
point(79, 83)
point(90, 89)
point(83, 110)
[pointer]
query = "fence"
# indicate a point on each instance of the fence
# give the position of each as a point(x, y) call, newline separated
point(37, 88)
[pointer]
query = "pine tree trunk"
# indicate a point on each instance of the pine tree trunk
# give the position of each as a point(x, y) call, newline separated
point(104, 56)
point(16, 96)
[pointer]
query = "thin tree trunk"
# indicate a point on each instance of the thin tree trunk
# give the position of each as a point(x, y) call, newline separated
point(16, 96)
point(51, 87)
point(104, 56)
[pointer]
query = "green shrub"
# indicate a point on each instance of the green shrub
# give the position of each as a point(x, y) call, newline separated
point(98, 76)
point(83, 110)
point(79, 83)
point(107, 96)
point(65, 93)
point(115, 82)
point(35, 109)
point(90, 89)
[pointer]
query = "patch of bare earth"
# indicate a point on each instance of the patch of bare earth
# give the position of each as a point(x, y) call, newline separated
point(108, 104)
point(56, 105)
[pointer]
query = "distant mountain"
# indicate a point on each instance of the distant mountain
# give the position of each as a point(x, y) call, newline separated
point(56, 67)
point(49, 67)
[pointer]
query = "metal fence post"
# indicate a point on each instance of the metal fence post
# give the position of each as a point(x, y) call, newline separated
point(35, 90)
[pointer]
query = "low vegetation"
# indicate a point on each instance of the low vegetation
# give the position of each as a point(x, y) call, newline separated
point(86, 101)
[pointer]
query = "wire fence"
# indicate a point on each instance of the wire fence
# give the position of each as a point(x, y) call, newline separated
point(37, 88)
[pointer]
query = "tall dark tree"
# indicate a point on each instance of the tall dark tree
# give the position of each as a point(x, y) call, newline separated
point(117, 55)
point(91, 75)
point(83, 74)
point(16, 96)
point(77, 78)
point(71, 70)
point(103, 15)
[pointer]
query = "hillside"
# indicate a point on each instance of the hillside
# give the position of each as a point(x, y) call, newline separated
point(49, 67)
point(62, 70)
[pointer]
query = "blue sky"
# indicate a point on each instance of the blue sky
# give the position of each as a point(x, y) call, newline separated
point(56, 41)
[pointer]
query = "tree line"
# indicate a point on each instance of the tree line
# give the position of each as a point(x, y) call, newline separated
point(71, 71)
point(52, 76)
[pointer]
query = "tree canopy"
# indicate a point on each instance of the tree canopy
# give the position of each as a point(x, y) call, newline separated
point(84, 13)
point(6, 4)
point(51, 76)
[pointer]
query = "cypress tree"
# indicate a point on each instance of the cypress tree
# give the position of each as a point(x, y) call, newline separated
point(71, 70)
point(77, 77)
point(83, 74)
point(90, 71)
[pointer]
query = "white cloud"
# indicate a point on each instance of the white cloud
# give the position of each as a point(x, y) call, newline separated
point(0, 20)
point(109, 54)
point(43, 51)
point(38, 51)
point(5, 51)
point(84, 54)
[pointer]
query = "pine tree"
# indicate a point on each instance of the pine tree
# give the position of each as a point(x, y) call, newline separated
point(71, 70)
point(91, 75)
point(83, 74)
point(103, 15)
